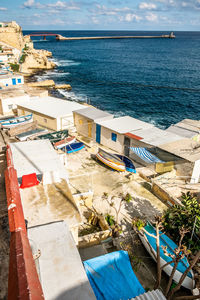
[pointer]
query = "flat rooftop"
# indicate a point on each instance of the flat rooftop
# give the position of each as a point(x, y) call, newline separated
point(11, 93)
point(187, 128)
point(51, 106)
point(93, 113)
point(61, 270)
point(125, 124)
point(185, 148)
point(38, 157)
point(155, 136)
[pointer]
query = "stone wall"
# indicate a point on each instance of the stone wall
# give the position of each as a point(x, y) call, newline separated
point(12, 36)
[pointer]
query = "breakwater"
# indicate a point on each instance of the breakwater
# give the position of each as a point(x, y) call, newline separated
point(168, 36)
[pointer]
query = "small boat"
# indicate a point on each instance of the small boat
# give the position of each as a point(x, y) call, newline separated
point(16, 121)
point(74, 147)
point(30, 134)
point(67, 141)
point(111, 160)
point(55, 136)
point(171, 246)
point(128, 163)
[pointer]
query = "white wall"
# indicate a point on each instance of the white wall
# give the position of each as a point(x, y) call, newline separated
point(106, 140)
point(3, 58)
point(8, 81)
point(12, 101)
point(196, 172)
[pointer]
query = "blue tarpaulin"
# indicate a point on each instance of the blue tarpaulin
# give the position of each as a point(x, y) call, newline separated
point(112, 278)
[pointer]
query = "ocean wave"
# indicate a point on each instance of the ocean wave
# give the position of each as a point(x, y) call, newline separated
point(72, 96)
point(67, 63)
point(51, 75)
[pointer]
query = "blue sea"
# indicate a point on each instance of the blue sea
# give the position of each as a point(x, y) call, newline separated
point(154, 80)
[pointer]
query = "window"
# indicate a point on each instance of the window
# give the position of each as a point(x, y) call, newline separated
point(113, 137)
point(45, 120)
point(10, 106)
point(19, 80)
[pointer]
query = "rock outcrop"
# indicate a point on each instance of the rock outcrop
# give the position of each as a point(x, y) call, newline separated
point(44, 83)
point(63, 86)
point(36, 60)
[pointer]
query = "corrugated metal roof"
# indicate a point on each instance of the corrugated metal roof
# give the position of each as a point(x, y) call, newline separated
point(93, 113)
point(125, 124)
point(152, 295)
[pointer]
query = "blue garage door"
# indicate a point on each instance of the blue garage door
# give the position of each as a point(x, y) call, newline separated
point(98, 133)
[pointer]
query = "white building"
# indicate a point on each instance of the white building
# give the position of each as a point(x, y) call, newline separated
point(84, 120)
point(50, 112)
point(9, 99)
point(11, 80)
point(112, 133)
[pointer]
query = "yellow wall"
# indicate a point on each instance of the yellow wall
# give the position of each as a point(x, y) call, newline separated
point(42, 120)
point(84, 126)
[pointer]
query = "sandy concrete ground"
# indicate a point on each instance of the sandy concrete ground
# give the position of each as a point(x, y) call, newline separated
point(85, 173)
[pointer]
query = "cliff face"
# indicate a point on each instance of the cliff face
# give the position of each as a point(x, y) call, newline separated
point(12, 35)
point(36, 60)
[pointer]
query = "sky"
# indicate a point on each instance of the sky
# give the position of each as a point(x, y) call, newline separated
point(161, 15)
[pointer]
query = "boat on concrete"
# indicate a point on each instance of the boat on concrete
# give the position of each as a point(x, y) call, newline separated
point(74, 147)
point(9, 123)
point(31, 134)
point(67, 141)
point(55, 136)
point(170, 246)
point(111, 160)
point(128, 163)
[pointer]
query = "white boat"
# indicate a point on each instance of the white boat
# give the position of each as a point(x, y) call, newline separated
point(167, 242)
point(16, 121)
point(67, 141)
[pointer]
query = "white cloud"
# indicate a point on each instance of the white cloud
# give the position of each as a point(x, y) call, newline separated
point(151, 17)
point(148, 6)
point(132, 17)
point(103, 10)
point(3, 8)
point(29, 3)
point(63, 5)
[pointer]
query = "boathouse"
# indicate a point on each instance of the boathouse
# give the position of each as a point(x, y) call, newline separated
point(84, 121)
point(112, 133)
point(9, 99)
point(50, 112)
point(11, 80)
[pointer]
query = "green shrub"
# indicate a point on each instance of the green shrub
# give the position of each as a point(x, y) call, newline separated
point(22, 59)
point(186, 215)
point(14, 67)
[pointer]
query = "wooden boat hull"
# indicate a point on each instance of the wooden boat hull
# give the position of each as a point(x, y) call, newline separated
point(69, 140)
point(188, 281)
point(17, 121)
point(74, 147)
point(128, 163)
point(109, 160)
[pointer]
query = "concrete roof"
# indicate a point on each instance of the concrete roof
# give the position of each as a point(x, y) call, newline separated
point(51, 106)
point(155, 136)
point(37, 157)
point(124, 124)
point(93, 113)
point(61, 269)
point(12, 93)
point(186, 128)
point(185, 148)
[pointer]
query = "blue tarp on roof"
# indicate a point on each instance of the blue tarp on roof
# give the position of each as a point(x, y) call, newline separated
point(112, 278)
